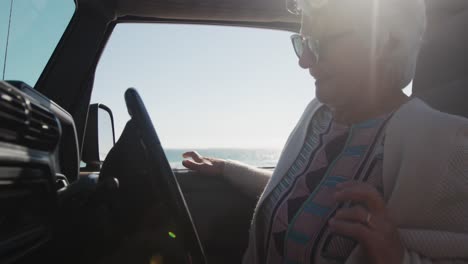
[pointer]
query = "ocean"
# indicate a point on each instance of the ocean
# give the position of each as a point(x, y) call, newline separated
point(255, 157)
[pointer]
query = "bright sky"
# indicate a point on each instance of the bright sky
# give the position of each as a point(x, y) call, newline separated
point(36, 28)
point(204, 86)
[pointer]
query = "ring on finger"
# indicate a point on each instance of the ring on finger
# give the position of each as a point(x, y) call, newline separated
point(368, 219)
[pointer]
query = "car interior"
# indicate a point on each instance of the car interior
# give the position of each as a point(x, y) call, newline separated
point(132, 207)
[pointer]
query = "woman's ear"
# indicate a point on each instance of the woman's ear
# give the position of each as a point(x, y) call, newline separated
point(392, 45)
point(382, 58)
point(389, 47)
point(388, 59)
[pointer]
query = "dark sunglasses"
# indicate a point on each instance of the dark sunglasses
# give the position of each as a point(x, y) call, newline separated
point(300, 43)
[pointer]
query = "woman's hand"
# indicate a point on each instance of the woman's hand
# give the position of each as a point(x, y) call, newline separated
point(204, 165)
point(369, 224)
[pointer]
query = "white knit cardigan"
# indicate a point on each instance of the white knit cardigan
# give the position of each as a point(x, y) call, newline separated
point(425, 178)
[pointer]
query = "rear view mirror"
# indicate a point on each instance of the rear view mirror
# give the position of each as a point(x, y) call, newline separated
point(99, 137)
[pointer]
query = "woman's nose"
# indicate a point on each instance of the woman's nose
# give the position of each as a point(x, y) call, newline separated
point(308, 59)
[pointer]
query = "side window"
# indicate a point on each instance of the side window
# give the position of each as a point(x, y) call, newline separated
point(29, 32)
point(227, 92)
point(4, 18)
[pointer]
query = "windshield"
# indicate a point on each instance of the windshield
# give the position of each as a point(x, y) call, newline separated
point(29, 32)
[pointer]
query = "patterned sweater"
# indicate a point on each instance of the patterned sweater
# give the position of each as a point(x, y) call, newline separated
point(424, 178)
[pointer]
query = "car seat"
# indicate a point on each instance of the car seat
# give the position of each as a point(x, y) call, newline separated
point(441, 75)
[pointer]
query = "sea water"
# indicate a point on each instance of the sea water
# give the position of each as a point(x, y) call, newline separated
point(255, 157)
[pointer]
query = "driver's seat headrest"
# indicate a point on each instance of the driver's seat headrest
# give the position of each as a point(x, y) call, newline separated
point(441, 75)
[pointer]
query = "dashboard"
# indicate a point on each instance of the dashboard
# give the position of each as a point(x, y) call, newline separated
point(38, 158)
point(131, 211)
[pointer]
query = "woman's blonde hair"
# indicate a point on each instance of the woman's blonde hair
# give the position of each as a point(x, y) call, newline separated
point(401, 21)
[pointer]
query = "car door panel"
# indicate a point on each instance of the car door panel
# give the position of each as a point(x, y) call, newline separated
point(221, 213)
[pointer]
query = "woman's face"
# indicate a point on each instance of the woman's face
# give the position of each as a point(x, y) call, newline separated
point(343, 70)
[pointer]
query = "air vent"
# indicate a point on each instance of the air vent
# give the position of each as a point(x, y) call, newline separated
point(26, 123)
point(13, 115)
point(43, 129)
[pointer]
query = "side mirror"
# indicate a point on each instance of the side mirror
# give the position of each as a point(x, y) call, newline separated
point(99, 136)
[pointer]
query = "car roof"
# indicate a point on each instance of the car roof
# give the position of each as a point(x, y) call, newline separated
point(258, 13)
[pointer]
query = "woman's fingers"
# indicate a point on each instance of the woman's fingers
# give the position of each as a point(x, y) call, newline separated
point(354, 230)
point(355, 214)
point(360, 193)
point(204, 165)
point(193, 155)
point(192, 165)
point(370, 224)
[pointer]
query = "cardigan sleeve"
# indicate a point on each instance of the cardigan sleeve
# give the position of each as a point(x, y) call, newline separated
point(249, 179)
point(456, 170)
point(411, 257)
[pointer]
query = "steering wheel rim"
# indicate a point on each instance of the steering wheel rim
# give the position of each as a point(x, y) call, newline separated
point(160, 164)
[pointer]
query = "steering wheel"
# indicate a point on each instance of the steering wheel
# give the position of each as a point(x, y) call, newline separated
point(149, 202)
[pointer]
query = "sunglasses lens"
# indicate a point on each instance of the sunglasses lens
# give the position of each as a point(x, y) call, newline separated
point(313, 46)
point(298, 45)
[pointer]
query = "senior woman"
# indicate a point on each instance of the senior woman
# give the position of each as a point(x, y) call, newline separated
point(368, 174)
